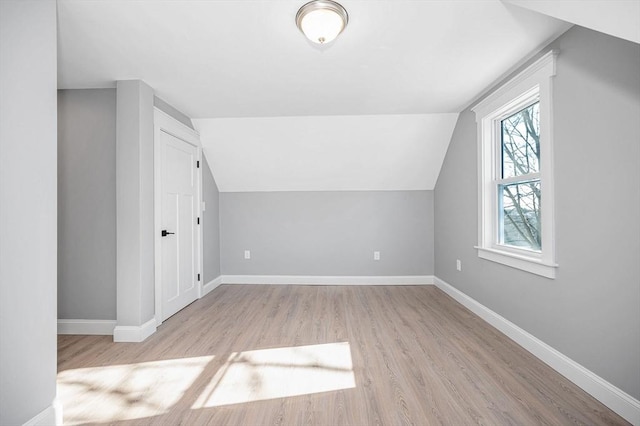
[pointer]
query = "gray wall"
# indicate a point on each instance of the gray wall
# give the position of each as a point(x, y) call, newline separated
point(134, 209)
point(87, 201)
point(28, 195)
point(87, 204)
point(211, 224)
point(327, 233)
point(591, 311)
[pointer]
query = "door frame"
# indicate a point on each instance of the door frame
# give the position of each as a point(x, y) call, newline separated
point(163, 122)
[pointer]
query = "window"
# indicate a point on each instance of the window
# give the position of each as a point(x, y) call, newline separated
point(515, 165)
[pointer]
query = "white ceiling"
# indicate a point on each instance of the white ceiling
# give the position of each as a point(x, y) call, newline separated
point(371, 152)
point(247, 58)
point(620, 18)
point(280, 113)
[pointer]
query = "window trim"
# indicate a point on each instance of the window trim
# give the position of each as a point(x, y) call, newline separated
point(535, 82)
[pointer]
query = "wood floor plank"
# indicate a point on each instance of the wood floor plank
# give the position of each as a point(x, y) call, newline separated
point(417, 358)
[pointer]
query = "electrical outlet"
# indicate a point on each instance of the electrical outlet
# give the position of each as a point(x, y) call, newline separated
point(247, 254)
point(376, 255)
point(458, 264)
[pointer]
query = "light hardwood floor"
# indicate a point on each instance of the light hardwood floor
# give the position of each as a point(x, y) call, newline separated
point(416, 357)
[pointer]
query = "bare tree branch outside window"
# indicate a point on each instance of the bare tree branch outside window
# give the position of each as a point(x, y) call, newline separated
point(520, 199)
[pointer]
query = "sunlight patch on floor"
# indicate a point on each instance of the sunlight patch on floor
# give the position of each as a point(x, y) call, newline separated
point(281, 372)
point(125, 392)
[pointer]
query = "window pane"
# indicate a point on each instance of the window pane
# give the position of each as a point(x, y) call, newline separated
point(521, 142)
point(520, 215)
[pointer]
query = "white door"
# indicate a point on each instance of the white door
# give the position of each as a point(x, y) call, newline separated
point(179, 216)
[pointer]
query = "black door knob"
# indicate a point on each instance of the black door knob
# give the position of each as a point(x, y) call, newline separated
point(165, 233)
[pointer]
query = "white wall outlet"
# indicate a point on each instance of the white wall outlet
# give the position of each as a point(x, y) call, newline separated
point(204, 206)
point(458, 264)
point(376, 255)
point(247, 254)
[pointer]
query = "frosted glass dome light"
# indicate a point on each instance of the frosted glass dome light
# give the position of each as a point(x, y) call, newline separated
point(321, 21)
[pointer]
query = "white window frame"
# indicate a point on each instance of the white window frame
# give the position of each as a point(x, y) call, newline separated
point(531, 85)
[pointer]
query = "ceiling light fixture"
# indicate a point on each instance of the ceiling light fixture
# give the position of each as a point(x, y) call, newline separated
point(322, 20)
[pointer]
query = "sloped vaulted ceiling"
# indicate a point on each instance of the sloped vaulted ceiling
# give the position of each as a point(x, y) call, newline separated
point(361, 152)
point(373, 110)
point(620, 18)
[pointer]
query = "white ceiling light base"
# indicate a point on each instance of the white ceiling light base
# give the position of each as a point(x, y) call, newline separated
point(321, 21)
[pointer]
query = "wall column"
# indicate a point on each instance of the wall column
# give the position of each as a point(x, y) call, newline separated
point(134, 212)
point(28, 212)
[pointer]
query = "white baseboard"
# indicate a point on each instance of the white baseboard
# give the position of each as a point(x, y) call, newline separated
point(82, 326)
point(328, 280)
point(128, 333)
point(211, 285)
point(52, 415)
point(616, 399)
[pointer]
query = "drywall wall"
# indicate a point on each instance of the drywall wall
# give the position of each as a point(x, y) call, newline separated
point(87, 200)
point(591, 311)
point(87, 204)
point(327, 233)
point(28, 197)
point(134, 192)
point(211, 224)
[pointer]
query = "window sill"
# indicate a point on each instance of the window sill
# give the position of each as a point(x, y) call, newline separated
point(531, 265)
